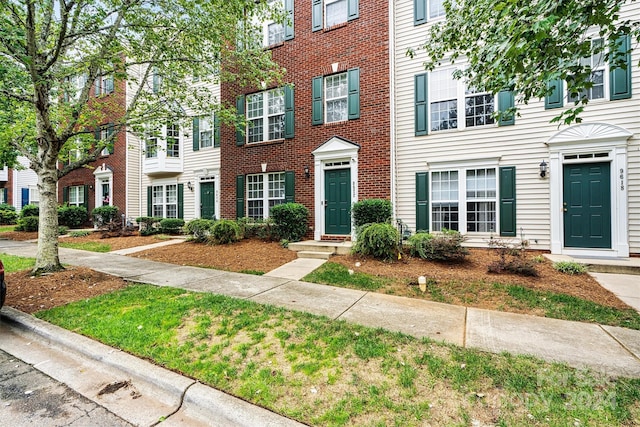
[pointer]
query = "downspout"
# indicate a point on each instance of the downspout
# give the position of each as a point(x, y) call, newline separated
point(392, 108)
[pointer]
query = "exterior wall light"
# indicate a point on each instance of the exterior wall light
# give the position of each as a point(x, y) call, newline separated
point(543, 169)
point(189, 185)
point(307, 174)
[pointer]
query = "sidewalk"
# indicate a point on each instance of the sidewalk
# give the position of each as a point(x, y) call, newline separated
point(612, 350)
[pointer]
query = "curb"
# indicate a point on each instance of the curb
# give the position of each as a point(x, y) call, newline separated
point(87, 366)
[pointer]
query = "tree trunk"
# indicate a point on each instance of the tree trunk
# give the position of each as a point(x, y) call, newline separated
point(47, 259)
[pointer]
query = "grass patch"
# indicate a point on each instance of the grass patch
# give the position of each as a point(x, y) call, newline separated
point(332, 273)
point(17, 263)
point(254, 272)
point(86, 246)
point(7, 228)
point(325, 372)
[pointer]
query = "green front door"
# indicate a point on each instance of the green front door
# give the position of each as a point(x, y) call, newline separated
point(207, 200)
point(337, 206)
point(587, 205)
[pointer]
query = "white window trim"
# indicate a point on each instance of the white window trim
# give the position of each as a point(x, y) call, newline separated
point(325, 14)
point(429, 16)
point(164, 203)
point(265, 192)
point(209, 120)
point(265, 115)
point(605, 78)
point(79, 190)
point(160, 138)
point(325, 99)
point(264, 26)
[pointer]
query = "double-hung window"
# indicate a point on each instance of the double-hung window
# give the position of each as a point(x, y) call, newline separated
point(164, 201)
point(265, 115)
point(273, 31)
point(173, 140)
point(328, 13)
point(263, 192)
point(464, 200)
point(596, 63)
point(104, 84)
point(427, 10)
point(335, 96)
point(444, 100)
point(205, 131)
point(151, 142)
point(335, 12)
point(76, 195)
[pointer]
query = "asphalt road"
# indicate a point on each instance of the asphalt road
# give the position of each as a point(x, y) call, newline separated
point(30, 398)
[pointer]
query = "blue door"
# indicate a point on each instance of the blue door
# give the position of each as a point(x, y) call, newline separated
point(25, 197)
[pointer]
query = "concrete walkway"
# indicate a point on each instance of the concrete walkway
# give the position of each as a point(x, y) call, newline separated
point(612, 350)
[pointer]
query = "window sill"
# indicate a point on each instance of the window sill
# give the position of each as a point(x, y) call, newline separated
point(274, 46)
point(335, 27)
point(341, 122)
point(263, 143)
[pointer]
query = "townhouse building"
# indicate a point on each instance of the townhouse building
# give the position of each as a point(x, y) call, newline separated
point(568, 189)
point(323, 138)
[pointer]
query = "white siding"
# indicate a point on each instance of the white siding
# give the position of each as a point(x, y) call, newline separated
point(22, 178)
point(521, 145)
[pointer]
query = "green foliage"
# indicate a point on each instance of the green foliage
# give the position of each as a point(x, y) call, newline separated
point(104, 214)
point(72, 216)
point(332, 273)
point(28, 224)
point(370, 211)
point(79, 233)
point(62, 230)
point(148, 225)
point(8, 214)
point(512, 258)
point(378, 240)
point(199, 229)
point(29, 210)
point(259, 228)
point(86, 246)
point(14, 263)
point(522, 46)
point(171, 225)
point(446, 246)
point(225, 231)
point(570, 267)
point(290, 220)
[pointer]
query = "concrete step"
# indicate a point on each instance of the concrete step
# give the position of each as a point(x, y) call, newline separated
point(314, 255)
point(613, 268)
point(603, 265)
point(340, 248)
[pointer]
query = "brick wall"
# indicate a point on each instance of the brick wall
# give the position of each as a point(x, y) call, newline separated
point(361, 43)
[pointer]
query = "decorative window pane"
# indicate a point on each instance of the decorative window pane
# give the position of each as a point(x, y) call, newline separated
point(336, 12)
point(336, 91)
point(173, 140)
point(444, 100)
point(206, 132)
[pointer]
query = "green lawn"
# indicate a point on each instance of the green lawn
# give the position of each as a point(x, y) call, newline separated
point(332, 373)
point(86, 246)
point(16, 263)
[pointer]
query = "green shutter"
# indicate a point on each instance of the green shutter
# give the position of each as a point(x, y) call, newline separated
point(216, 130)
point(353, 103)
point(422, 201)
point(97, 134)
point(180, 201)
point(316, 15)
point(620, 77)
point(149, 206)
point(352, 10)
point(505, 101)
point(288, 25)
point(289, 187)
point(240, 129)
point(112, 139)
point(508, 201)
point(85, 189)
point(421, 103)
point(5, 195)
point(65, 195)
point(419, 12)
point(289, 117)
point(317, 116)
point(554, 99)
point(240, 196)
point(195, 129)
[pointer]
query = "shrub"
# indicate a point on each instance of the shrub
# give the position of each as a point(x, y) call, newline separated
point(104, 214)
point(72, 216)
point(79, 233)
point(512, 258)
point(171, 225)
point(28, 223)
point(225, 231)
point(260, 228)
point(290, 220)
point(62, 230)
point(378, 240)
point(570, 267)
point(371, 211)
point(446, 246)
point(148, 225)
point(8, 214)
point(199, 229)
point(30, 210)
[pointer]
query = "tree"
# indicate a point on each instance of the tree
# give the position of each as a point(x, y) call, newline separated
point(522, 45)
point(52, 52)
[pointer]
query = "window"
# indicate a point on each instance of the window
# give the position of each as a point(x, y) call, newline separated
point(106, 134)
point(265, 116)
point(336, 97)
point(104, 84)
point(464, 205)
point(156, 80)
point(273, 32)
point(263, 192)
point(426, 10)
point(597, 65)
point(328, 13)
point(452, 105)
point(34, 195)
point(173, 140)
point(76, 195)
point(74, 86)
point(151, 142)
point(164, 201)
point(205, 132)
